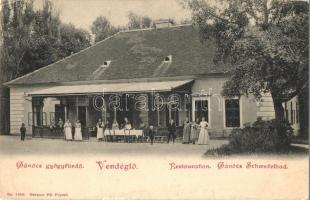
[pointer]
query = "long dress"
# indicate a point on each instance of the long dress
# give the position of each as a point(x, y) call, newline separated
point(186, 132)
point(203, 135)
point(99, 130)
point(195, 132)
point(78, 132)
point(68, 131)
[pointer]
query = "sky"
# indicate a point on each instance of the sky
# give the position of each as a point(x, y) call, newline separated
point(83, 12)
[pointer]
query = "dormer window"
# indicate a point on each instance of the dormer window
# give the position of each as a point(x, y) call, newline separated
point(168, 59)
point(106, 63)
point(100, 70)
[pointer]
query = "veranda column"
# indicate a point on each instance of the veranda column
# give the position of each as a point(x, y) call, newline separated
point(158, 118)
point(114, 114)
point(66, 113)
point(77, 107)
point(104, 112)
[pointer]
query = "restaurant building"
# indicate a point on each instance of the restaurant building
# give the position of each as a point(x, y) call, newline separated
point(149, 76)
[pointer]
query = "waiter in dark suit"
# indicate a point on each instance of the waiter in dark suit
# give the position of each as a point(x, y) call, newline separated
point(151, 133)
point(171, 131)
point(22, 132)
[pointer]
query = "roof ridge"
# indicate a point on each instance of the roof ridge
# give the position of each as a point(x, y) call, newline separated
point(35, 71)
point(150, 29)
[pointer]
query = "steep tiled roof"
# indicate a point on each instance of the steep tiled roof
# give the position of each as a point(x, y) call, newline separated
point(134, 54)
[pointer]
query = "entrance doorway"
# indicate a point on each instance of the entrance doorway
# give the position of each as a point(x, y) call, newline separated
point(82, 115)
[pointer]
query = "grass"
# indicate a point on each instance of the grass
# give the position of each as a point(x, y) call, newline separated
point(226, 150)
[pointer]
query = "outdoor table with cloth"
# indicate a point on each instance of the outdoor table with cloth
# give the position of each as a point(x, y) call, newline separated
point(125, 134)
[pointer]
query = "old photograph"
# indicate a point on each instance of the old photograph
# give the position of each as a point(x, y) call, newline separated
point(174, 79)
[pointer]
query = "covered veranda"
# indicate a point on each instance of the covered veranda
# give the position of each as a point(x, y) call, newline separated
point(142, 103)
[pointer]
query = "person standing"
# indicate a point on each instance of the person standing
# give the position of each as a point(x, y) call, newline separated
point(127, 124)
point(195, 131)
point(78, 131)
point(22, 132)
point(52, 126)
point(171, 131)
point(60, 123)
point(68, 130)
point(127, 127)
point(60, 126)
point(151, 134)
point(115, 125)
point(203, 135)
point(99, 127)
point(186, 131)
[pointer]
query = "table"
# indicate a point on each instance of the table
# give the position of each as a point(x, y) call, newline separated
point(124, 133)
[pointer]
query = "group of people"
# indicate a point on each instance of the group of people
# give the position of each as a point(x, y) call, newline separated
point(196, 132)
point(100, 127)
point(77, 133)
point(193, 132)
point(68, 127)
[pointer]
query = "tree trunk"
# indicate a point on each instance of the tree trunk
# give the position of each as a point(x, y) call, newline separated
point(284, 130)
point(278, 108)
point(4, 91)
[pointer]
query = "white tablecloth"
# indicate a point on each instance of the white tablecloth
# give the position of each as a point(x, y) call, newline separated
point(123, 132)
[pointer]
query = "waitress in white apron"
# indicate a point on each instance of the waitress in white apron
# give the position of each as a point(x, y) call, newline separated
point(78, 131)
point(68, 130)
point(99, 130)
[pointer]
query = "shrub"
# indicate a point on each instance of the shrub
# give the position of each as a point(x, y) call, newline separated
point(262, 136)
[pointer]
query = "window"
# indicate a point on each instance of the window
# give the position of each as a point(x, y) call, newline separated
point(286, 111)
point(201, 109)
point(297, 112)
point(168, 59)
point(292, 115)
point(232, 113)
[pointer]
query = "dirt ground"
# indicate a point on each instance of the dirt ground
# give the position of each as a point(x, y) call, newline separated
point(12, 145)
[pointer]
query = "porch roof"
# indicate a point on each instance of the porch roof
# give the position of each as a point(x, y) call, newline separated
point(133, 87)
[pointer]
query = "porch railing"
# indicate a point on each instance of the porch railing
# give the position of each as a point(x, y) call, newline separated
point(56, 133)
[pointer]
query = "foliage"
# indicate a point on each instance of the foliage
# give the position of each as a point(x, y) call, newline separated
point(266, 41)
point(30, 39)
point(261, 137)
point(72, 39)
point(36, 38)
point(102, 28)
point(138, 22)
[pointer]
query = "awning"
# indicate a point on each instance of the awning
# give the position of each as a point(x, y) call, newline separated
point(134, 87)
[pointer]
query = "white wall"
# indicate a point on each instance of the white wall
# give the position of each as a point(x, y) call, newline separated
point(20, 106)
point(212, 86)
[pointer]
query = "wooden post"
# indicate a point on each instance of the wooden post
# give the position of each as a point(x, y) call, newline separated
point(158, 118)
point(169, 107)
point(115, 114)
point(104, 112)
point(66, 115)
point(86, 110)
point(77, 107)
point(34, 117)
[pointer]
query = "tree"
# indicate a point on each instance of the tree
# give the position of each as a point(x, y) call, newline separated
point(265, 41)
point(138, 22)
point(102, 28)
point(50, 40)
point(4, 97)
point(29, 40)
point(16, 31)
point(72, 39)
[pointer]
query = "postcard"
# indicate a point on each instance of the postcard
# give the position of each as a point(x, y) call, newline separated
point(145, 99)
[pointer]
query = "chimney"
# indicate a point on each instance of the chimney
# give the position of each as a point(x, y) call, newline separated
point(92, 39)
point(163, 23)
